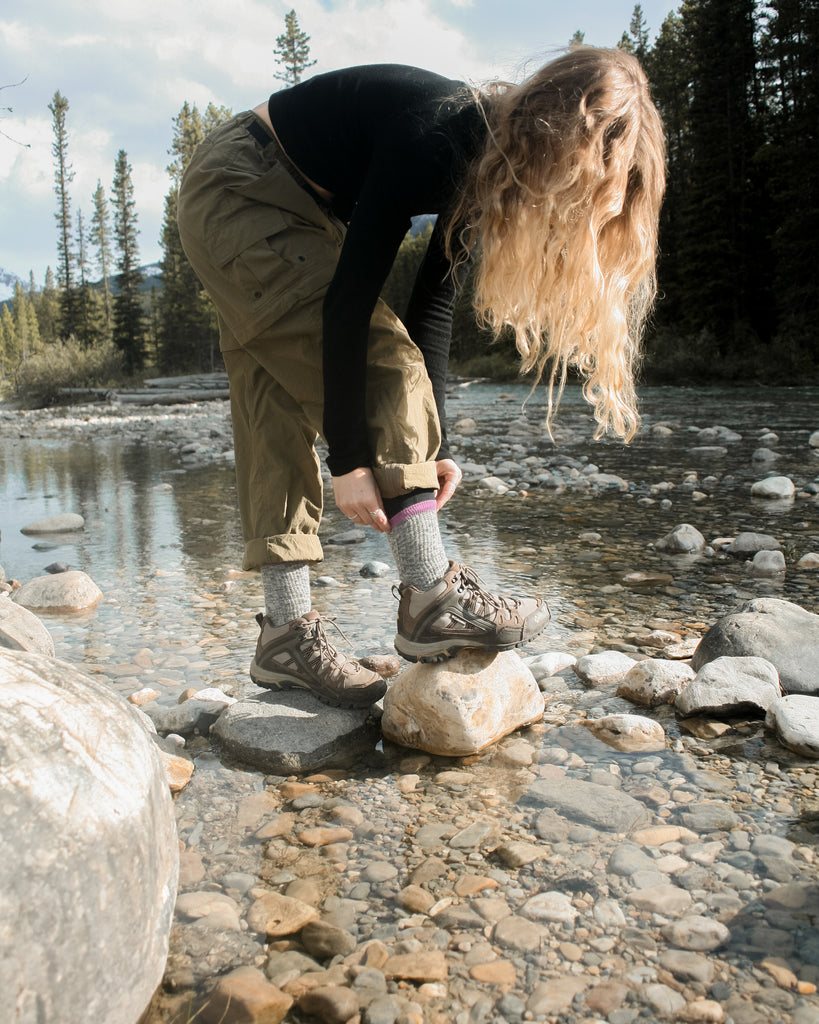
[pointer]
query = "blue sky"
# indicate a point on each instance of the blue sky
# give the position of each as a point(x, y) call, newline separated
point(126, 68)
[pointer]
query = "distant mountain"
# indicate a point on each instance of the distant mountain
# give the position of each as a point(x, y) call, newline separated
point(151, 274)
point(7, 284)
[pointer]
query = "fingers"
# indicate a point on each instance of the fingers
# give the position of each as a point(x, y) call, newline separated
point(377, 518)
point(358, 497)
point(449, 476)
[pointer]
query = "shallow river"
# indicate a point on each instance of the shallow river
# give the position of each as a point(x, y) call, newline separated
point(162, 542)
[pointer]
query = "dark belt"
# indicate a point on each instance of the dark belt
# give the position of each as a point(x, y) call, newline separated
point(264, 137)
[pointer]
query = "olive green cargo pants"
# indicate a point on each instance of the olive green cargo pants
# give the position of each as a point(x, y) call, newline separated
point(266, 249)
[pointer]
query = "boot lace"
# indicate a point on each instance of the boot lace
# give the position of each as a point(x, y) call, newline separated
point(481, 602)
point(321, 652)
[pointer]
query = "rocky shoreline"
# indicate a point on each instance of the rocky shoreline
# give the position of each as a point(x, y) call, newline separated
point(645, 849)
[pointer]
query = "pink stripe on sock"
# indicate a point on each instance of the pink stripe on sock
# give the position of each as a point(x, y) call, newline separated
point(413, 510)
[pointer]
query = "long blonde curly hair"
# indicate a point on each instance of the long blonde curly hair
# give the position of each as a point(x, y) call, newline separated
point(563, 204)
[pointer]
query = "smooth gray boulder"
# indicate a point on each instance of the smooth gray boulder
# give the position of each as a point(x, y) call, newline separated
point(655, 681)
point(21, 630)
point(767, 627)
point(72, 591)
point(88, 849)
point(768, 563)
point(293, 732)
point(773, 488)
point(682, 540)
point(729, 686)
point(746, 545)
point(795, 719)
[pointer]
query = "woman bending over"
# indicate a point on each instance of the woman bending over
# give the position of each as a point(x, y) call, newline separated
point(292, 214)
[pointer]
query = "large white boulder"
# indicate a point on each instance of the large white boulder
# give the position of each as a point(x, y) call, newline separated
point(88, 849)
point(463, 705)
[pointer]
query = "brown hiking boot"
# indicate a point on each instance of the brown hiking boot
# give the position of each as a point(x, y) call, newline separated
point(457, 613)
point(300, 656)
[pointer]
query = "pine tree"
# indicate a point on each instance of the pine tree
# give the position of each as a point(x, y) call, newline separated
point(47, 305)
point(636, 39)
point(577, 38)
point(129, 327)
point(292, 51)
point(8, 342)
point(63, 175)
point(83, 291)
point(100, 238)
point(186, 339)
point(790, 157)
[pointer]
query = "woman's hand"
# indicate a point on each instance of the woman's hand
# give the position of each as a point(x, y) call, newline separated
point(449, 476)
point(358, 497)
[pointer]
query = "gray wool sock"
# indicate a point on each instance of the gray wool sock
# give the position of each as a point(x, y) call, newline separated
point(286, 591)
point(418, 550)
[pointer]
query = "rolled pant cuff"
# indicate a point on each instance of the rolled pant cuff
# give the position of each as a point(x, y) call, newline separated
point(394, 479)
point(289, 547)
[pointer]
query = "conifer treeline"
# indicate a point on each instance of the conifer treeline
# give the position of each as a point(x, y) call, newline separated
point(736, 82)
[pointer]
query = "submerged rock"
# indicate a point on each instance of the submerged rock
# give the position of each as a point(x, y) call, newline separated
point(746, 545)
point(779, 631)
point(463, 705)
point(599, 806)
point(628, 732)
point(67, 522)
point(88, 849)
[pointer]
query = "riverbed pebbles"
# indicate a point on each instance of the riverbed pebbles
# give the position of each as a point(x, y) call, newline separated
point(552, 877)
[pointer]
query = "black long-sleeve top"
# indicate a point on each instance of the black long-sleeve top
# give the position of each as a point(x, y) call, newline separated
point(389, 142)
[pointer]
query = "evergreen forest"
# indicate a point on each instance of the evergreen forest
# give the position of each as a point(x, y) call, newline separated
point(737, 85)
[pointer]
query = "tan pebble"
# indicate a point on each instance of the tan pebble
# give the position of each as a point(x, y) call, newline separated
point(779, 971)
point(468, 885)
point(336, 975)
point(429, 966)
point(412, 764)
point(415, 899)
point(253, 807)
point(656, 836)
point(499, 972)
point(245, 995)
point(454, 778)
point(191, 868)
point(324, 836)
point(805, 988)
point(702, 1011)
point(280, 825)
point(570, 951)
point(432, 990)
point(371, 954)
point(186, 695)
point(348, 815)
point(516, 854)
point(178, 771)
point(407, 783)
point(305, 890)
point(331, 1004)
point(290, 790)
point(275, 915)
point(142, 697)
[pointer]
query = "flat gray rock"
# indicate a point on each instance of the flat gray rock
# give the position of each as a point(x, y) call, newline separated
point(767, 627)
point(730, 686)
point(72, 591)
point(599, 806)
point(293, 732)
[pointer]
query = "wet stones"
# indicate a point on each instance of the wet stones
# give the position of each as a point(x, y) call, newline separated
point(66, 522)
point(463, 705)
point(628, 732)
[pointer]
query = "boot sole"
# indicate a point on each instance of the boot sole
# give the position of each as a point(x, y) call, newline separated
point(279, 681)
point(430, 653)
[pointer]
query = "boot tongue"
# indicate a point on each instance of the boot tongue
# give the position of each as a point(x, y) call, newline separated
point(311, 615)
